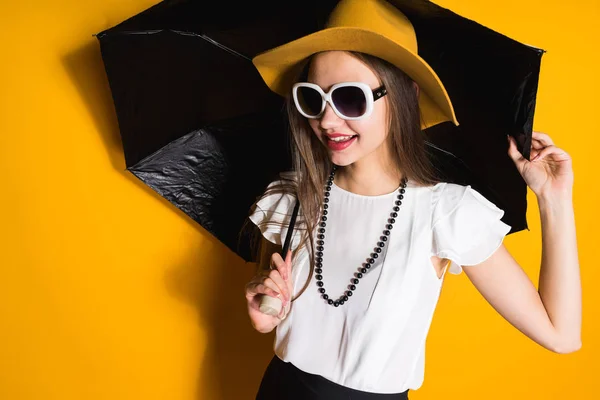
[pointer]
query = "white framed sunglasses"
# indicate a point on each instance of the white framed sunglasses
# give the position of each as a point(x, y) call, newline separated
point(349, 100)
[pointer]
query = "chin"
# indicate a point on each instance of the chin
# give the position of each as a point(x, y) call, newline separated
point(342, 160)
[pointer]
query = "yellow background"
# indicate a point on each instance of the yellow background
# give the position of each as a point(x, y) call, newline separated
point(107, 291)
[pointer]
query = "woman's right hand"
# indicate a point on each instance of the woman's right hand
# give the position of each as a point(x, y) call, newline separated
point(276, 282)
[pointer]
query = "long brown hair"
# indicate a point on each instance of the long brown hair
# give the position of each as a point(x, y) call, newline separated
point(312, 165)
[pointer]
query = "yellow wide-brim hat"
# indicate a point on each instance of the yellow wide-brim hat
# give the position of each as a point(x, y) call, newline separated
point(373, 27)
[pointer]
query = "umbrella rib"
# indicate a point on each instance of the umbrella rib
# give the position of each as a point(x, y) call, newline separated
point(428, 143)
point(185, 33)
point(214, 42)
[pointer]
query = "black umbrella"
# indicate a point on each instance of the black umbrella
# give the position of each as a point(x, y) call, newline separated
point(200, 127)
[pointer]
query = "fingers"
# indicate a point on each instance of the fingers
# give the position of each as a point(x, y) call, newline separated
point(271, 282)
point(267, 287)
point(539, 141)
point(284, 310)
point(282, 273)
point(288, 264)
point(550, 150)
point(282, 287)
point(514, 153)
point(542, 138)
point(537, 145)
point(284, 267)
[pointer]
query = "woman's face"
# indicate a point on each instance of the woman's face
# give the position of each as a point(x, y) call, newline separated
point(329, 68)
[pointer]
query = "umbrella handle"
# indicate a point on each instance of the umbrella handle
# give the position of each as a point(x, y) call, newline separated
point(272, 305)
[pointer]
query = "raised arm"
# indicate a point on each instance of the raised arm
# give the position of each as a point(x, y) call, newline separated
point(550, 315)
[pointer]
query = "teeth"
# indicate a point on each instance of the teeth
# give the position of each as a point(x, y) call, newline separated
point(341, 138)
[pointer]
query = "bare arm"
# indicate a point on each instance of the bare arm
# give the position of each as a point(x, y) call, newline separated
point(550, 315)
point(560, 281)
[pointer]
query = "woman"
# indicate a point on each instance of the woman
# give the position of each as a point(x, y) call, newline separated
point(376, 231)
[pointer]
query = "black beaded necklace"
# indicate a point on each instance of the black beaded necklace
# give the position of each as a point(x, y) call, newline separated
point(364, 269)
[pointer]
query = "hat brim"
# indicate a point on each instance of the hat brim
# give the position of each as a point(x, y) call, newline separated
point(281, 65)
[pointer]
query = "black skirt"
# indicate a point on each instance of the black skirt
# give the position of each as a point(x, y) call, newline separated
point(284, 381)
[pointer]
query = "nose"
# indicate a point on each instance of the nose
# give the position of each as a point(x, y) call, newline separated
point(329, 118)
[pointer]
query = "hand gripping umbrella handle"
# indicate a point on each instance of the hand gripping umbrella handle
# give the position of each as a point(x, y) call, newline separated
point(272, 305)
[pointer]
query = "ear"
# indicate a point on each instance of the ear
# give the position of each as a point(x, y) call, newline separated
point(417, 89)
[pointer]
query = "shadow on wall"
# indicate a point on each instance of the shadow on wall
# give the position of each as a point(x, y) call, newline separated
point(212, 280)
point(236, 355)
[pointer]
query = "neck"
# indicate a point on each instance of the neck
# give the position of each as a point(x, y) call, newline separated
point(368, 179)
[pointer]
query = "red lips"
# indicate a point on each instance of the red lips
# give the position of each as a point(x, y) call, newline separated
point(338, 146)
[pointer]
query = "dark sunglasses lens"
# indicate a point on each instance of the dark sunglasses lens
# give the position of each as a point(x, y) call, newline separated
point(350, 101)
point(310, 100)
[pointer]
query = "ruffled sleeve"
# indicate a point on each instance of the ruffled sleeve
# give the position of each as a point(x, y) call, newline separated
point(466, 227)
point(273, 214)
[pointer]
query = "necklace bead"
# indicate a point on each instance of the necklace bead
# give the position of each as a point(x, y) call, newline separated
point(377, 250)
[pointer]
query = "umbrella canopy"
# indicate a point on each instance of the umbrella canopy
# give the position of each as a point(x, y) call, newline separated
point(200, 127)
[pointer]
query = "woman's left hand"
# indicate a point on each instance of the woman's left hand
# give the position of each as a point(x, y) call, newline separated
point(550, 171)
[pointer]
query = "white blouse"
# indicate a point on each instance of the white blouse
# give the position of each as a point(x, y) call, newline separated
point(375, 342)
